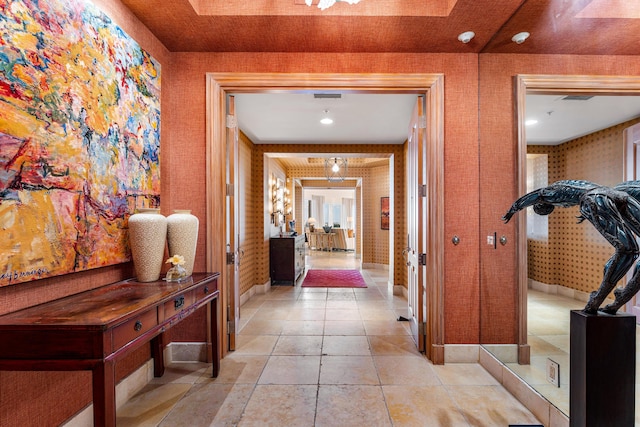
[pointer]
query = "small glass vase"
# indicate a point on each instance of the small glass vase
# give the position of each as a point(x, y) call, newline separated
point(176, 274)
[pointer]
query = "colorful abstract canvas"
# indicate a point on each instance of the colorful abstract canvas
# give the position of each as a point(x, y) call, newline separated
point(79, 138)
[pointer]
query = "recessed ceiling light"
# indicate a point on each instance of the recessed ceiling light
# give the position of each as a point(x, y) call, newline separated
point(530, 122)
point(466, 36)
point(520, 37)
point(326, 120)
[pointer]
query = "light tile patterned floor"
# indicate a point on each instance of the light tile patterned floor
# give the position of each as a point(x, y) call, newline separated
point(325, 357)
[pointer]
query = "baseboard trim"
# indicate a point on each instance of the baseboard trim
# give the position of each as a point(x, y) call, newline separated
point(539, 406)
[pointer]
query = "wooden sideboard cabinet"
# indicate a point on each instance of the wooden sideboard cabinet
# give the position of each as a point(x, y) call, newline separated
point(286, 258)
point(93, 329)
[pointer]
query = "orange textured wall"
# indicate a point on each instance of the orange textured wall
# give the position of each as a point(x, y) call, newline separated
point(498, 171)
point(461, 291)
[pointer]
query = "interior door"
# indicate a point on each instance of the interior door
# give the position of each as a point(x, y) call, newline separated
point(632, 173)
point(232, 286)
point(415, 252)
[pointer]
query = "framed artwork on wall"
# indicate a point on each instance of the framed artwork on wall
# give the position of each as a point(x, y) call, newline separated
point(80, 150)
point(384, 213)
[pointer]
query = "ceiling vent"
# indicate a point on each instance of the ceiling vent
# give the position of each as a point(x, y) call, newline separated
point(577, 97)
point(327, 95)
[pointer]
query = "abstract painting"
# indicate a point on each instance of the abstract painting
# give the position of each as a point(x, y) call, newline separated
point(384, 213)
point(79, 138)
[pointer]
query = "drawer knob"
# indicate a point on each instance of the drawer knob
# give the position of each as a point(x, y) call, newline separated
point(206, 289)
point(137, 326)
point(178, 303)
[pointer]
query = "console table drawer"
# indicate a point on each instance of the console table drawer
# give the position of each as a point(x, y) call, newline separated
point(178, 304)
point(134, 328)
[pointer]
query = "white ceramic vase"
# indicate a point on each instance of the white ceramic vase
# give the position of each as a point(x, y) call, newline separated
point(147, 238)
point(182, 236)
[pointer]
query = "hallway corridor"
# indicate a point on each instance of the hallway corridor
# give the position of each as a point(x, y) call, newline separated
point(325, 357)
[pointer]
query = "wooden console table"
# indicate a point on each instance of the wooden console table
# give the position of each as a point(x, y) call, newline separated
point(92, 329)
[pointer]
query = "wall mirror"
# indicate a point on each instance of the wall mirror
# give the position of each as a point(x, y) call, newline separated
point(546, 244)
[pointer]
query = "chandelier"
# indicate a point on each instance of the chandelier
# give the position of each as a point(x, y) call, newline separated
point(325, 4)
point(335, 169)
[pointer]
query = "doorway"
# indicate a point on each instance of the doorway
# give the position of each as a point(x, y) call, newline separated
point(219, 85)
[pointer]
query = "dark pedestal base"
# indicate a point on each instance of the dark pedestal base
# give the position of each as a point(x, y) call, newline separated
point(603, 370)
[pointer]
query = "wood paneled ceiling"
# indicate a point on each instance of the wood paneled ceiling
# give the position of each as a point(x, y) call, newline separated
point(582, 27)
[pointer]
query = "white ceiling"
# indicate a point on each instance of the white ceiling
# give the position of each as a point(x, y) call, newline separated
point(294, 118)
point(561, 119)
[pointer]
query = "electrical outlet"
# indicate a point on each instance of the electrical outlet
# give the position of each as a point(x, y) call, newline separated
point(553, 372)
point(491, 240)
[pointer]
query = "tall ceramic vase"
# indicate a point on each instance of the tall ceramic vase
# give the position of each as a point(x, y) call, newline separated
point(182, 236)
point(147, 237)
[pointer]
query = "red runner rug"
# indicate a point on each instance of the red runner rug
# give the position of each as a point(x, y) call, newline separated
point(333, 279)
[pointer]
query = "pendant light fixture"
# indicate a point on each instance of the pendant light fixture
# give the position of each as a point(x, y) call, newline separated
point(325, 4)
point(335, 169)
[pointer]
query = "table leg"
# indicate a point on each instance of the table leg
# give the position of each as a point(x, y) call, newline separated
point(215, 338)
point(104, 394)
point(158, 355)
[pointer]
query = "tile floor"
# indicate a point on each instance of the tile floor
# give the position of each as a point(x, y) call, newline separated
point(325, 357)
point(548, 318)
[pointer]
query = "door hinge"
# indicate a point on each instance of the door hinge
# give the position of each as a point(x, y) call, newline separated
point(421, 328)
point(422, 190)
point(231, 258)
point(231, 327)
point(232, 122)
point(231, 324)
point(422, 122)
point(422, 259)
point(229, 189)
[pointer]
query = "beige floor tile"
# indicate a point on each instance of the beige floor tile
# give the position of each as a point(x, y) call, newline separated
point(490, 406)
point(182, 373)
point(463, 373)
point(386, 314)
point(333, 304)
point(337, 345)
point(151, 404)
point(411, 406)
point(384, 327)
point(342, 314)
point(255, 344)
point(393, 345)
point(344, 327)
point(313, 296)
point(262, 327)
point(291, 370)
point(351, 405)
point(298, 346)
point(270, 313)
point(200, 405)
point(280, 406)
point(306, 314)
point(348, 370)
point(240, 369)
point(409, 370)
point(303, 327)
point(230, 412)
